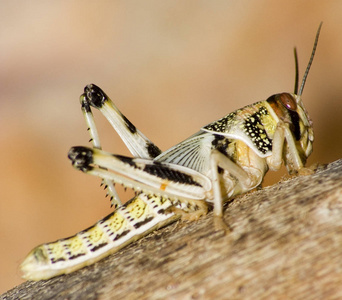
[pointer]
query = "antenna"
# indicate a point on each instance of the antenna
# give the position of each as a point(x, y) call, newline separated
point(296, 70)
point(310, 61)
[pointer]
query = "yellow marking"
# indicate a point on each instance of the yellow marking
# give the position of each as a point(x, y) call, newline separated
point(75, 246)
point(96, 235)
point(263, 137)
point(116, 222)
point(56, 251)
point(137, 208)
point(270, 124)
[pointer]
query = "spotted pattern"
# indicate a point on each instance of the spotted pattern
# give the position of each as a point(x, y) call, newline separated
point(222, 125)
point(255, 130)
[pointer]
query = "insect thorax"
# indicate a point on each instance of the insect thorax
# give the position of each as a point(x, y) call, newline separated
point(253, 124)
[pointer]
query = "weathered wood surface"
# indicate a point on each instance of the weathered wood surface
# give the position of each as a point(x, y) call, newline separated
point(286, 243)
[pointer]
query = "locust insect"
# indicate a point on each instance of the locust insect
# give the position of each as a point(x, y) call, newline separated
point(225, 158)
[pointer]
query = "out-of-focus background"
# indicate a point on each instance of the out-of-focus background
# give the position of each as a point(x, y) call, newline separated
point(170, 66)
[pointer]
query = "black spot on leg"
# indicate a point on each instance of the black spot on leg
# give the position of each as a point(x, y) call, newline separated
point(125, 159)
point(129, 125)
point(152, 150)
point(164, 172)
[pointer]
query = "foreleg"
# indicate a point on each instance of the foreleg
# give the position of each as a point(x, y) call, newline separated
point(293, 160)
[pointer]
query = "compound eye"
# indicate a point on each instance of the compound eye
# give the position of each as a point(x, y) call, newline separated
point(288, 101)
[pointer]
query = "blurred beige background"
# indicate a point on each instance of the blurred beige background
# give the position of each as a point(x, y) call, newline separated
point(170, 66)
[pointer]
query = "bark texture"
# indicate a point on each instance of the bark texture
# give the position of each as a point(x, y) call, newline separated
point(286, 242)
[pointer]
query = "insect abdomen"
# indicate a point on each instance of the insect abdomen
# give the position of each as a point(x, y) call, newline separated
point(130, 222)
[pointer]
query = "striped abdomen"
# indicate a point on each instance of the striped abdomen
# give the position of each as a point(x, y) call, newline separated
point(135, 219)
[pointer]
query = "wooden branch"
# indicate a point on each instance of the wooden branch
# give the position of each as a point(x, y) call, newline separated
point(286, 242)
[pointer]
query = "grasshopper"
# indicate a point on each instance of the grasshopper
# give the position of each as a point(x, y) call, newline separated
point(225, 158)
